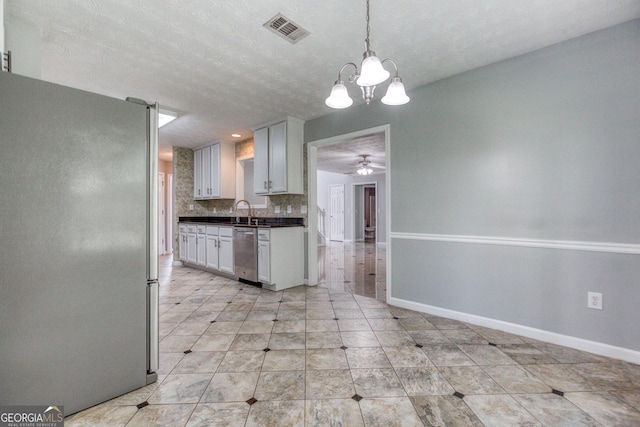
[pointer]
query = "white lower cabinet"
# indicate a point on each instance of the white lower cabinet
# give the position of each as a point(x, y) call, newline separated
point(201, 245)
point(264, 263)
point(280, 252)
point(225, 256)
point(212, 248)
point(182, 242)
point(192, 244)
point(280, 257)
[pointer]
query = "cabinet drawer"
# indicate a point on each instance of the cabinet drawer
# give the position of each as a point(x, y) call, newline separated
point(182, 228)
point(226, 231)
point(192, 228)
point(263, 234)
point(212, 231)
point(201, 229)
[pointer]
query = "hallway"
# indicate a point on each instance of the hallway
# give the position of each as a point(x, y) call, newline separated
point(358, 269)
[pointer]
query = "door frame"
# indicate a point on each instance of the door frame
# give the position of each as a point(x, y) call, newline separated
point(353, 207)
point(312, 190)
point(162, 214)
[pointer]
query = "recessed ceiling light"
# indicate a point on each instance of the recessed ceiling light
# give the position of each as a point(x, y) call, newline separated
point(165, 116)
point(236, 135)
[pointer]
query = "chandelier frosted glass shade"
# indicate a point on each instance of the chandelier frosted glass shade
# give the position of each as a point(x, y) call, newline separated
point(395, 93)
point(371, 71)
point(339, 97)
point(365, 171)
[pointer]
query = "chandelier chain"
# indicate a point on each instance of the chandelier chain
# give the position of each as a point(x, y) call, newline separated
point(368, 24)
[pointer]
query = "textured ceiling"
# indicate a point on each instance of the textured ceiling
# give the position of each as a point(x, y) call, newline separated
point(344, 157)
point(213, 61)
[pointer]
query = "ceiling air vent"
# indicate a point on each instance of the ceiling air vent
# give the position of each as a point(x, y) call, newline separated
point(286, 28)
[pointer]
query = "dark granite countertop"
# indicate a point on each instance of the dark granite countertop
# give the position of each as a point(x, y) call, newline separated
point(243, 221)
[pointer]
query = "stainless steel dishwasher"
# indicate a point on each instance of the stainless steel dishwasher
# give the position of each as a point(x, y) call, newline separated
point(245, 252)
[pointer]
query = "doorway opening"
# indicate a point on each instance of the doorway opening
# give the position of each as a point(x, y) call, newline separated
point(365, 212)
point(378, 217)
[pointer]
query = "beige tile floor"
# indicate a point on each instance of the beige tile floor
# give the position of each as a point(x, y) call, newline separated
point(235, 355)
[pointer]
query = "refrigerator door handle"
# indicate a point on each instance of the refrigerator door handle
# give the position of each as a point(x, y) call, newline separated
point(153, 353)
point(152, 197)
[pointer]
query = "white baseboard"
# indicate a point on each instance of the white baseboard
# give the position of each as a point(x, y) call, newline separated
point(594, 347)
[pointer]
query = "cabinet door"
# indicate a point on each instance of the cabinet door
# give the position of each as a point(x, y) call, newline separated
point(182, 246)
point(197, 174)
point(214, 170)
point(212, 252)
point(206, 172)
point(226, 255)
point(264, 259)
point(261, 161)
point(278, 158)
point(192, 244)
point(201, 249)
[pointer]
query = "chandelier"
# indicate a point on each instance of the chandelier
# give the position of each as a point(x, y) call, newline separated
point(370, 74)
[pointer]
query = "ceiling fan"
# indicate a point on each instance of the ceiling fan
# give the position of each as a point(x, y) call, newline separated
point(365, 165)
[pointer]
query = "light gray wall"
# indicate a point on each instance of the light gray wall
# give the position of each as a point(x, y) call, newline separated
point(542, 146)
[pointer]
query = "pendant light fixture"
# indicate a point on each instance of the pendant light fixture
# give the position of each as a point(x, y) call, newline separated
point(370, 74)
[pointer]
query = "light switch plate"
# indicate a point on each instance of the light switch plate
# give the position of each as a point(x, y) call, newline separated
point(288, 208)
point(276, 209)
point(303, 209)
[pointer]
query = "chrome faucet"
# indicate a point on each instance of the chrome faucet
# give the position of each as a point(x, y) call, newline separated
point(249, 205)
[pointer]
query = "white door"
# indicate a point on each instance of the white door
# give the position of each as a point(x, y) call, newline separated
point(169, 214)
point(162, 235)
point(336, 213)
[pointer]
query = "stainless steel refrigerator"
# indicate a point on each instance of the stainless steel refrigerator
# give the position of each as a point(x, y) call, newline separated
point(78, 245)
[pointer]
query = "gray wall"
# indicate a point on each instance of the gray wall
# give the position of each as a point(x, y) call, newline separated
point(542, 146)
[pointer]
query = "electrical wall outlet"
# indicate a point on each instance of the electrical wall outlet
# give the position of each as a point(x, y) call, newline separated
point(191, 206)
point(288, 208)
point(594, 300)
point(303, 209)
point(276, 209)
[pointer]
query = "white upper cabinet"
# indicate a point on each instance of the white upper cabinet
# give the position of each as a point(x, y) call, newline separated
point(278, 163)
point(214, 171)
point(197, 175)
